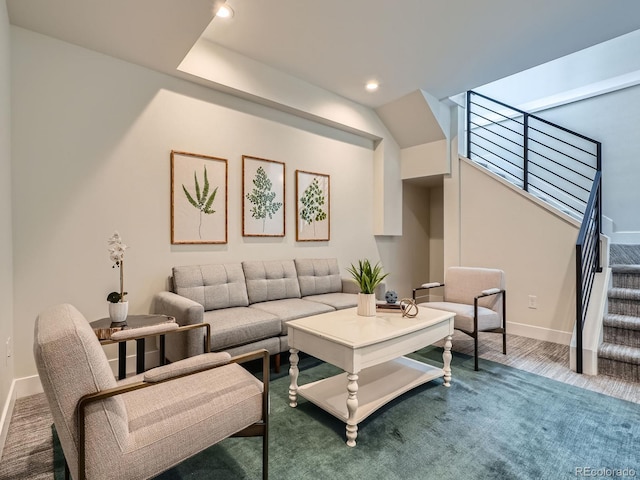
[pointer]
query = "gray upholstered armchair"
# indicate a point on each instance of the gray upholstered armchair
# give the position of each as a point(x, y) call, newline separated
point(141, 426)
point(478, 298)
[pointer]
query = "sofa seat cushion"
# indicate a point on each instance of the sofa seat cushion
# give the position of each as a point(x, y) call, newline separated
point(318, 275)
point(338, 301)
point(212, 286)
point(290, 309)
point(239, 325)
point(272, 280)
point(487, 318)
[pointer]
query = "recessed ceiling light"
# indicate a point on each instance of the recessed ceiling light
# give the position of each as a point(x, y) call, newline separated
point(372, 85)
point(225, 11)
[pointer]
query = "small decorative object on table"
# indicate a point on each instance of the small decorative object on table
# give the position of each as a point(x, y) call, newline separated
point(118, 307)
point(391, 296)
point(409, 307)
point(367, 278)
point(388, 307)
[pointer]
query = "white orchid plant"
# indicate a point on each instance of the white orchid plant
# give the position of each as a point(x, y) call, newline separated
point(116, 255)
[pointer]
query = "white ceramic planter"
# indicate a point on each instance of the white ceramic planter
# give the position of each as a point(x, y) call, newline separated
point(366, 304)
point(118, 311)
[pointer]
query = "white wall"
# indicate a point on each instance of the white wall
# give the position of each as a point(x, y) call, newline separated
point(612, 62)
point(501, 228)
point(425, 160)
point(436, 235)
point(612, 119)
point(91, 141)
point(6, 251)
point(595, 92)
point(230, 71)
point(407, 257)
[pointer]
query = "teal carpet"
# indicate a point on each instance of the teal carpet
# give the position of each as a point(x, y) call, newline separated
point(498, 423)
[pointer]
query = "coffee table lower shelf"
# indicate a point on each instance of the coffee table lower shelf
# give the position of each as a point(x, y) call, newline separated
point(376, 386)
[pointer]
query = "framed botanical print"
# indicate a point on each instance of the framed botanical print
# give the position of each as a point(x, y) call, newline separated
point(263, 204)
point(313, 211)
point(198, 198)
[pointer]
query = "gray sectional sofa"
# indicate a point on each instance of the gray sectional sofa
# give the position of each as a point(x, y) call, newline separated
point(248, 304)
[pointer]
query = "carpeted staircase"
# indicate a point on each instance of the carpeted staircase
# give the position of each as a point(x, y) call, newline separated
point(619, 354)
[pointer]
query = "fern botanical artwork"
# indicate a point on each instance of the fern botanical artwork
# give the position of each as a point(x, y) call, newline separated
point(263, 205)
point(312, 207)
point(198, 198)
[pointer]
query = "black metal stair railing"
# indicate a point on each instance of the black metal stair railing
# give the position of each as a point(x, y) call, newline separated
point(553, 163)
point(587, 262)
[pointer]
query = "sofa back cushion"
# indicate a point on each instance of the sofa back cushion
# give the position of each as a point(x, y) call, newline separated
point(212, 286)
point(273, 280)
point(317, 276)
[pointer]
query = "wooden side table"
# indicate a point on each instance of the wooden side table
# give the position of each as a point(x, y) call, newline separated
point(138, 328)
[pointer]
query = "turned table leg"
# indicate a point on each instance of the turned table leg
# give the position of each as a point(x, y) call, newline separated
point(293, 376)
point(446, 357)
point(352, 407)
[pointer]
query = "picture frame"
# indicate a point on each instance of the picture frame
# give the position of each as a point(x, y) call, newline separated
point(313, 207)
point(263, 199)
point(199, 206)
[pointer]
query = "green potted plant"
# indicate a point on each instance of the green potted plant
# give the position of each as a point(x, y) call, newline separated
point(118, 307)
point(367, 277)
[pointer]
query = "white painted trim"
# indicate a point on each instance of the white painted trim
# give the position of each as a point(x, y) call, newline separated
point(539, 333)
point(628, 237)
point(7, 412)
point(607, 226)
point(27, 386)
point(592, 332)
point(625, 238)
point(581, 93)
point(595, 89)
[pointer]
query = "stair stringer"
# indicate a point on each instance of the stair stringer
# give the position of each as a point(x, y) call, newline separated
point(593, 325)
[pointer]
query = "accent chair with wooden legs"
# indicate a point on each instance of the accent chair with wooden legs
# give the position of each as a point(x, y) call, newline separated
point(140, 426)
point(478, 298)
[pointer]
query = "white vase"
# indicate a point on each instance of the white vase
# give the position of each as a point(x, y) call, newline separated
point(366, 304)
point(118, 311)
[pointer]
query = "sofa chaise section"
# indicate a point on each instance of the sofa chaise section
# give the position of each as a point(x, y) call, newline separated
point(320, 281)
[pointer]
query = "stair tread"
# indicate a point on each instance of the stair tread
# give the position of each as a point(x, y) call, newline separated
point(624, 293)
point(621, 268)
point(617, 320)
point(619, 353)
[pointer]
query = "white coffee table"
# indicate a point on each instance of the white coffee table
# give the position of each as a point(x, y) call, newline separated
point(370, 350)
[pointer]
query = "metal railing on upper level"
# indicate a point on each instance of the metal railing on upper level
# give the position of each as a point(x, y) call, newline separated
point(553, 163)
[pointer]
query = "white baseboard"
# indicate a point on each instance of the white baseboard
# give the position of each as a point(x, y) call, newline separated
point(539, 333)
point(619, 237)
point(7, 411)
point(625, 238)
point(27, 386)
